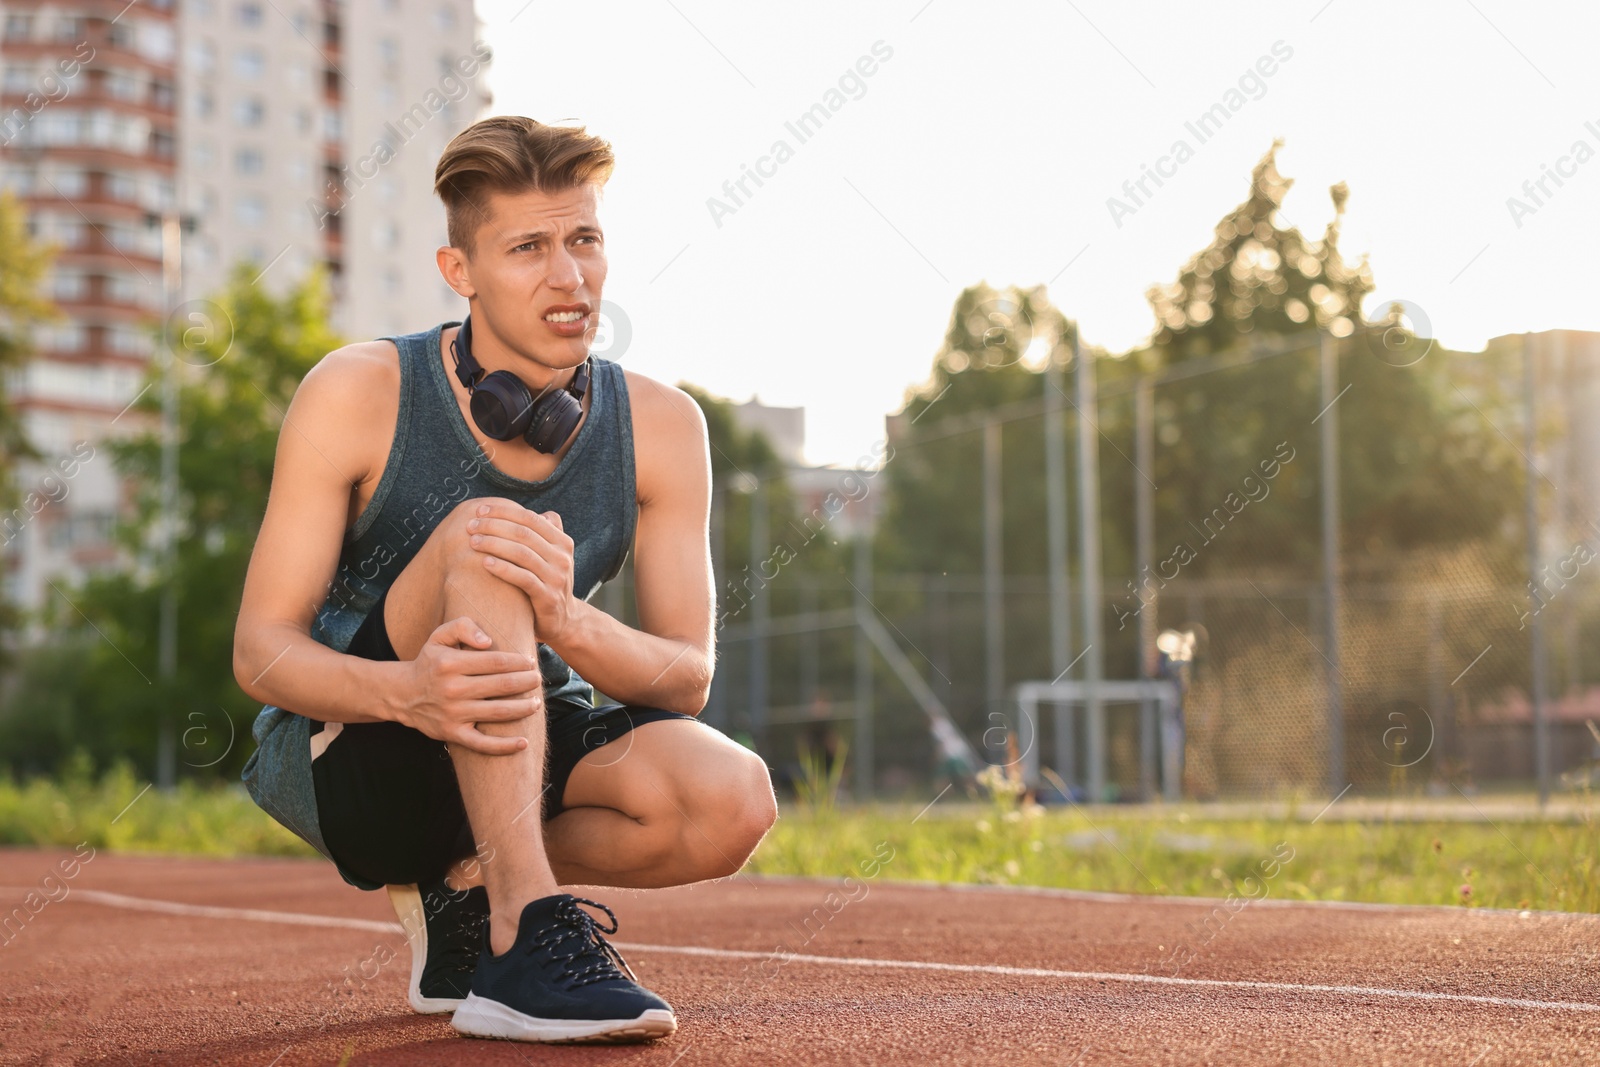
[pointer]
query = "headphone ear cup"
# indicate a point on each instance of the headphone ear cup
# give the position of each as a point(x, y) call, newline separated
point(502, 406)
point(555, 417)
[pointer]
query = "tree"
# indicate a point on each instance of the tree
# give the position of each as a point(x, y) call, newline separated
point(1413, 471)
point(933, 517)
point(1257, 276)
point(23, 264)
point(98, 687)
point(1419, 468)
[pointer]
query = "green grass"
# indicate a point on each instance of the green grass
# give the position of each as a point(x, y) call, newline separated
point(1512, 864)
point(117, 813)
point(1542, 866)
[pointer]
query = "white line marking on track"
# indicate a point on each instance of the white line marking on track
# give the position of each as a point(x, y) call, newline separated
point(1114, 976)
point(204, 911)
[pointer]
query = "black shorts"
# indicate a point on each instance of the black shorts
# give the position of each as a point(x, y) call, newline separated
point(388, 804)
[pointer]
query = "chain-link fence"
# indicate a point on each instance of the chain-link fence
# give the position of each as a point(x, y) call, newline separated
point(1412, 668)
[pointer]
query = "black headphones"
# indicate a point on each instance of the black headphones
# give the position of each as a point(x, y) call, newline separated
point(503, 407)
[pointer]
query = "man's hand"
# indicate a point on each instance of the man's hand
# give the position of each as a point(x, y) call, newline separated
point(454, 686)
point(529, 550)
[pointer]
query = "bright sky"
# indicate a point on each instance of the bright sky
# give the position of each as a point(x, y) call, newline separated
point(986, 145)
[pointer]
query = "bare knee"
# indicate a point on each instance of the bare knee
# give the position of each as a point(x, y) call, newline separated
point(735, 811)
point(454, 540)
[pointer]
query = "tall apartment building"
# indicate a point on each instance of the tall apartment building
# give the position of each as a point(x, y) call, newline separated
point(309, 133)
point(292, 132)
point(838, 498)
point(88, 93)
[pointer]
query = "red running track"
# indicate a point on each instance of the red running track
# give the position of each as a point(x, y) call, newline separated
point(279, 962)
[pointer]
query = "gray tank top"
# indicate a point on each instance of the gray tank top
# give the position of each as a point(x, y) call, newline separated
point(435, 463)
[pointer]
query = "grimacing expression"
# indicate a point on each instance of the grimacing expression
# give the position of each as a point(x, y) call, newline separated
point(537, 269)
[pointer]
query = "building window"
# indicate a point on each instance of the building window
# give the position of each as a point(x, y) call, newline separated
point(68, 183)
point(202, 155)
point(249, 112)
point(445, 18)
point(248, 161)
point(204, 58)
point(302, 120)
point(122, 186)
point(388, 50)
point(18, 80)
point(162, 144)
point(250, 210)
point(69, 29)
point(391, 282)
point(386, 235)
point(162, 95)
point(331, 128)
point(60, 337)
point(19, 27)
point(204, 103)
point(69, 285)
point(124, 85)
point(157, 41)
point(249, 63)
point(51, 128)
point(249, 14)
point(86, 529)
point(127, 340)
point(125, 288)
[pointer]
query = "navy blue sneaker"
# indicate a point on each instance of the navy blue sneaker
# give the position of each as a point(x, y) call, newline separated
point(446, 928)
point(561, 981)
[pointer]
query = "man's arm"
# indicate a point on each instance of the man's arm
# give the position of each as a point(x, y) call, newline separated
point(324, 449)
point(668, 662)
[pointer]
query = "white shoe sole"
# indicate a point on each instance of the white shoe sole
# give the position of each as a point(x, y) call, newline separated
point(478, 1017)
point(407, 901)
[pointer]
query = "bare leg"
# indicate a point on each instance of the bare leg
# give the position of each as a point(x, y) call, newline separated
point(502, 794)
point(668, 803)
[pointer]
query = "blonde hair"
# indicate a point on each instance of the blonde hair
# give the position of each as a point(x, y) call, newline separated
point(512, 153)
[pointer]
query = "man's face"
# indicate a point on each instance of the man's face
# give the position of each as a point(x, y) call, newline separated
point(536, 272)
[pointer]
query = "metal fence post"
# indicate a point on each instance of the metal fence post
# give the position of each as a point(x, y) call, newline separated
point(863, 716)
point(1055, 467)
point(1329, 366)
point(1144, 565)
point(759, 615)
point(1541, 747)
point(994, 680)
point(1089, 547)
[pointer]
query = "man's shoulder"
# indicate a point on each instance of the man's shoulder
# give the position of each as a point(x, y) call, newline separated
point(345, 400)
point(354, 381)
point(665, 404)
point(670, 437)
point(360, 363)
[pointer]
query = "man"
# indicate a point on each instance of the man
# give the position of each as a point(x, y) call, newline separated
point(416, 618)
